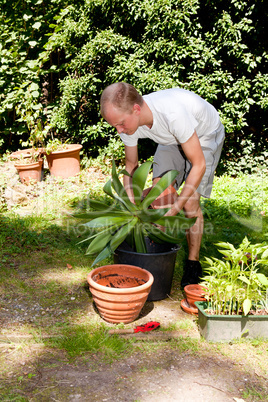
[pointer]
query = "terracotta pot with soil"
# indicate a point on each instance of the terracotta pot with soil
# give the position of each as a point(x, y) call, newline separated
point(193, 293)
point(29, 171)
point(119, 291)
point(65, 162)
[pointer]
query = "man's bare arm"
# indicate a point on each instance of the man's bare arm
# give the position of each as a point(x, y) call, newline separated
point(131, 162)
point(193, 151)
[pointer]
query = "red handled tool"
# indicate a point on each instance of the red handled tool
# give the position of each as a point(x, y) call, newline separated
point(150, 326)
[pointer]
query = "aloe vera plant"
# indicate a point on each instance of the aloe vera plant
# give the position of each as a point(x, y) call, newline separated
point(110, 225)
point(234, 284)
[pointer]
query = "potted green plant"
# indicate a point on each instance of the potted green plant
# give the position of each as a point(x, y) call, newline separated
point(135, 224)
point(29, 161)
point(63, 159)
point(237, 299)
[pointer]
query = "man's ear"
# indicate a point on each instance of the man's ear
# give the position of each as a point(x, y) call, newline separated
point(136, 109)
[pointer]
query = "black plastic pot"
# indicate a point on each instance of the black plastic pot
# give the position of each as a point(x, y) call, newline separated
point(160, 261)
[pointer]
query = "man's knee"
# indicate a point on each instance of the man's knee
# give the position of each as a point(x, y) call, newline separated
point(192, 207)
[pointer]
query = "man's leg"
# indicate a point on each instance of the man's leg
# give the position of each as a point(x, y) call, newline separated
point(192, 269)
point(194, 233)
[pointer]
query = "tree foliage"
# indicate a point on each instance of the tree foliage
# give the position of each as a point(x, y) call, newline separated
point(73, 50)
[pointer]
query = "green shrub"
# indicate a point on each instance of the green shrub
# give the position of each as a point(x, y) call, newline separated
point(216, 48)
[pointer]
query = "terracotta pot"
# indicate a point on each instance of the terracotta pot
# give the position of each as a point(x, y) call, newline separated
point(30, 171)
point(165, 199)
point(187, 308)
point(65, 163)
point(194, 293)
point(27, 153)
point(119, 291)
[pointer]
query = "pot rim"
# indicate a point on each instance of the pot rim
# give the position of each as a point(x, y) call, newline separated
point(195, 290)
point(106, 289)
point(26, 166)
point(69, 149)
point(174, 250)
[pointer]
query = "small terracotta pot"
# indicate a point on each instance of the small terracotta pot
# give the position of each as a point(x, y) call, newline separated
point(27, 153)
point(30, 171)
point(65, 163)
point(195, 293)
point(119, 291)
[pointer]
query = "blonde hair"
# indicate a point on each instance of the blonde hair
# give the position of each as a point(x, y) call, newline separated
point(121, 95)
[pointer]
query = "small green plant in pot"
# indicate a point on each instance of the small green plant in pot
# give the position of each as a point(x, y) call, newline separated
point(237, 294)
point(55, 144)
point(234, 284)
point(111, 225)
point(31, 113)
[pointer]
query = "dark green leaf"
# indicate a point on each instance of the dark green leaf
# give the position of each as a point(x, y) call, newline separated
point(151, 215)
point(139, 179)
point(177, 222)
point(107, 221)
point(120, 190)
point(139, 239)
point(162, 236)
point(105, 253)
point(96, 214)
point(158, 189)
point(121, 234)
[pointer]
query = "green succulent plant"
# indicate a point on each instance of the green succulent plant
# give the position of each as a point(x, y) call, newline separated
point(110, 225)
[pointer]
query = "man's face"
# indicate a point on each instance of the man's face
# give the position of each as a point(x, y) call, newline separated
point(124, 122)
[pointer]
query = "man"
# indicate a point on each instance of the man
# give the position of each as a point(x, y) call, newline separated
point(190, 137)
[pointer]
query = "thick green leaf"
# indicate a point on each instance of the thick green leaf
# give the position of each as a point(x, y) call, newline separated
point(151, 215)
point(106, 221)
point(99, 232)
point(99, 242)
point(159, 234)
point(98, 205)
point(98, 214)
point(139, 239)
point(130, 239)
point(139, 179)
point(160, 186)
point(121, 234)
point(177, 222)
point(105, 253)
point(153, 237)
point(123, 171)
point(107, 188)
point(120, 190)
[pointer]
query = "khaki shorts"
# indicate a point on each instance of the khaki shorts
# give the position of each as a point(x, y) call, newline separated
point(169, 157)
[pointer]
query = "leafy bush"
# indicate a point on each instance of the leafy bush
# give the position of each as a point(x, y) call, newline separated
point(81, 48)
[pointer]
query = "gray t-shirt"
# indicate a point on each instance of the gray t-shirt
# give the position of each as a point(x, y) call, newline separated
point(177, 113)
